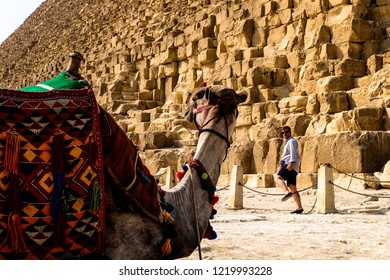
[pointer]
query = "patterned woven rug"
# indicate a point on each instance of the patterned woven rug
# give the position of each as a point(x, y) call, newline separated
point(51, 175)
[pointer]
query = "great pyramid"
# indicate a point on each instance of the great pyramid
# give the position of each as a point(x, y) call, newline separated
point(319, 66)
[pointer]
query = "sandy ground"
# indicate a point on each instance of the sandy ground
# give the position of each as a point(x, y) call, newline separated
point(265, 230)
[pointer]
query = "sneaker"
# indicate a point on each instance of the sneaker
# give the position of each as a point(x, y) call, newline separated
point(287, 196)
point(298, 211)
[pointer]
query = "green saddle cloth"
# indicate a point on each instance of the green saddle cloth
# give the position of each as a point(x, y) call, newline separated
point(64, 80)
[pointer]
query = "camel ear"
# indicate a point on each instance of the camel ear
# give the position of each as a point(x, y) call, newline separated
point(241, 97)
point(199, 94)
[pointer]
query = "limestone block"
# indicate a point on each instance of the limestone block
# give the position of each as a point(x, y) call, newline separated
point(312, 105)
point(266, 94)
point(207, 56)
point(236, 68)
point(181, 53)
point(340, 14)
point(285, 16)
point(168, 56)
point(270, 7)
point(145, 95)
point(252, 52)
point(294, 104)
point(259, 38)
point(259, 75)
point(253, 95)
point(206, 43)
point(245, 116)
point(147, 84)
point(306, 180)
point(374, 64)
point(315, 70)
point(273, 156)
point(370, 48)
point(309, 86)
point(333, 102)
point(243, 33)
point(380, 14)
point(280, 92)
point(298, 123)
point(278, 77)
point(334, 83)
point(328, 51)
point(314, 7)
point(191, 48)
point(276, 35)
point(258, 112)
point(318, 125)
point(171, 69)
point(240, 153)
point(367, 118)
point(355, 30)
point(260, 152)
point(369, 150)
point(271, 108)
point(296, 58)
point(292, 76)
point(351, 67)
point(341, 122)
point(349, 50)
point(317, 37)
point(359, 96)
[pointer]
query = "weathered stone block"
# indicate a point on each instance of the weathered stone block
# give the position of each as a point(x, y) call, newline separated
point(245, 116)
point(258, 112)
point(294, 104)
point(374, 64)
point(328, 51)
point(271, 108)
point(206, 43)
point(333, 102)
point(298, 123)
point(351, 67)
point(207, 56)
point(355, 30)
point(318, 125)
point(369, 150)
point(259, 75)
point(334, 83)
point(296, 58)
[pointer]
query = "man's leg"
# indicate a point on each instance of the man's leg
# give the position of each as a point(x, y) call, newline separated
point(296, 196)
point(280, 183)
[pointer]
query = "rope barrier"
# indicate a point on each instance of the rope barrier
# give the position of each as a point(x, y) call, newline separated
point(363, 194)
point(363, 179)
point(274, 194)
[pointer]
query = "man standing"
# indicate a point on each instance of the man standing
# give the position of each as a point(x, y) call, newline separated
point(288, 169)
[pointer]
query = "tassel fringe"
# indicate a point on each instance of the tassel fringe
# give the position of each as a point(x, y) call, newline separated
point(12, 148)
point(166, 249)
point(14, 232)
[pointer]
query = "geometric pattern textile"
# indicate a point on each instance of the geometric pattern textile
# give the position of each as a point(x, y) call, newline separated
point(51, 199)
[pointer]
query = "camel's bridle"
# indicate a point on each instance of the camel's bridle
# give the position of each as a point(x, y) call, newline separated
point(196, 164)
point(202, 127)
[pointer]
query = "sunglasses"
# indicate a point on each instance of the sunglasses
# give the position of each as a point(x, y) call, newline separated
point(285, 132)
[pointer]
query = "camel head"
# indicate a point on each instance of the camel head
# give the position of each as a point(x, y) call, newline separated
point(226, 99)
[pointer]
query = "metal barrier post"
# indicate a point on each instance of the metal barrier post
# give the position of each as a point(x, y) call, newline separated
point(325, 190)
point(236, 188)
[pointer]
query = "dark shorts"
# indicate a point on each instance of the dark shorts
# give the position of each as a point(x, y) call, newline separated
point(289, 176)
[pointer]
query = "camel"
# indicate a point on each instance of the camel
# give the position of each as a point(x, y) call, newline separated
point(131, 232)
point(131, 235)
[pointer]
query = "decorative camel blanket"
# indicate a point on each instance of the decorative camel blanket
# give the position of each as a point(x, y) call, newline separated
point(51, 175)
